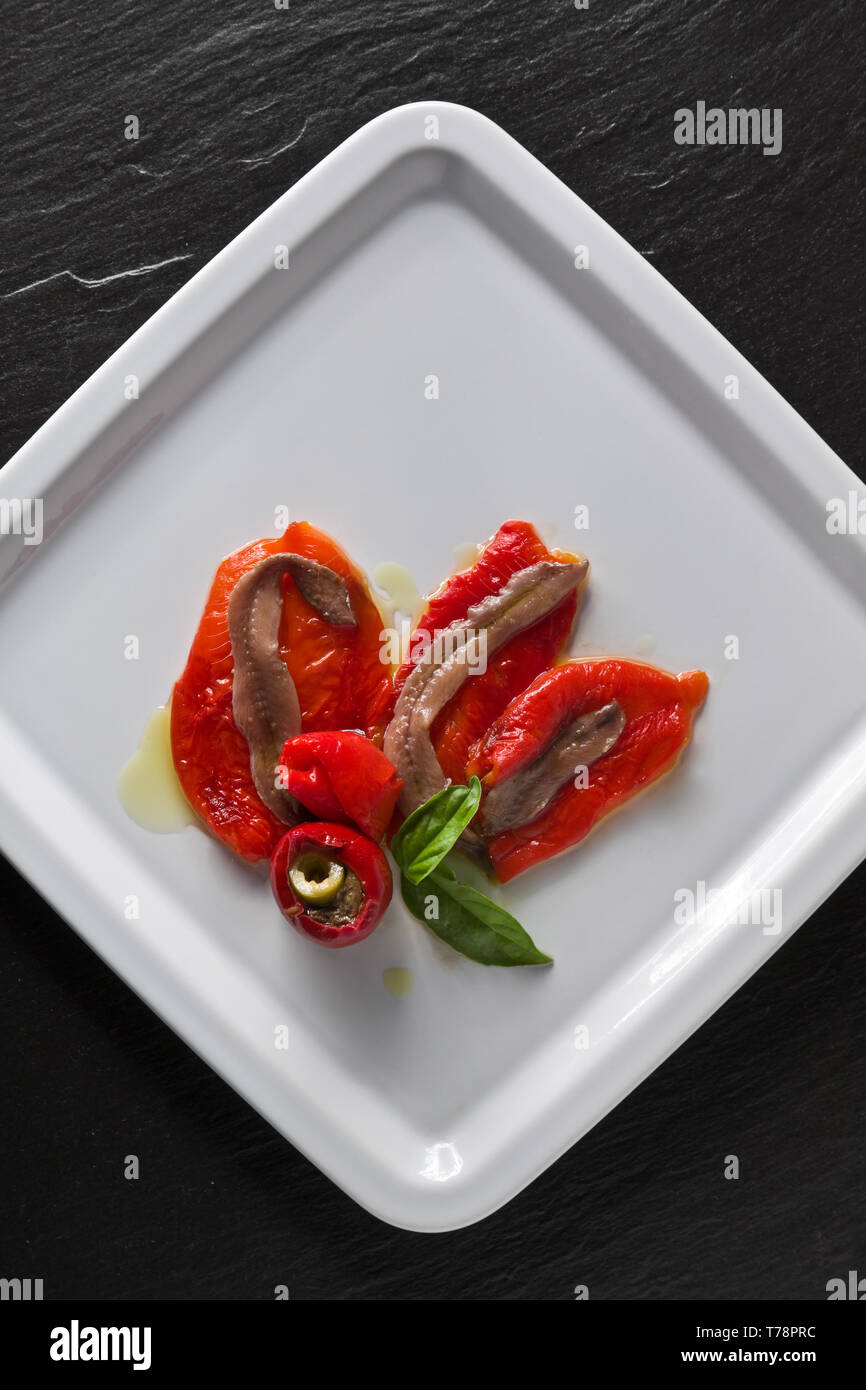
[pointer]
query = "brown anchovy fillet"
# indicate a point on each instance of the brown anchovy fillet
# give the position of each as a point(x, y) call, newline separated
point(519, 799)
point(264, 698)
point(528, 596)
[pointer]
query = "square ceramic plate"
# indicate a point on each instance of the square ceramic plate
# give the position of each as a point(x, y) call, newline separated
point(430, 244)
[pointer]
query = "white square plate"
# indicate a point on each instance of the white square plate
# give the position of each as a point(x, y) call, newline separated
point(431, 243)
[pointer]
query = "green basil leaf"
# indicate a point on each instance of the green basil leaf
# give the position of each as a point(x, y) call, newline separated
point(470, 922)
point(426, 836)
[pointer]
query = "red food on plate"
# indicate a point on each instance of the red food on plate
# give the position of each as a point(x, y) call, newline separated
point(340, 680)
point(658, 709)
point(515, 546)
point(330, 882)
point(341, 776)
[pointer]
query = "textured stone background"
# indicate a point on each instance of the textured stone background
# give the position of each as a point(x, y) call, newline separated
point(235, 103)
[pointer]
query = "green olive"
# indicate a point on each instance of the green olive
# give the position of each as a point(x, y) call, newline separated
point(316, 879)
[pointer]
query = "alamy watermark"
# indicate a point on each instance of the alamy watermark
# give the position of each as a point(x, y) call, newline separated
point(851, 1288)
point(846, 516)
point(739, 904)
point(77, 1343)
point(22, 516)
point(464, 646)
point(20, 1290)
point(737, 126)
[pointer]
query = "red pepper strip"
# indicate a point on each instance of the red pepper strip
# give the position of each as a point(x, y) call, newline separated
point(658, 709)
point(482, 699)
point(339, 922)
point(340, 680)
point(342, 776)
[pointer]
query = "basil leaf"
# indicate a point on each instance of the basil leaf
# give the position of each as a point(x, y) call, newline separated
point(470, 922)
point(426, 836)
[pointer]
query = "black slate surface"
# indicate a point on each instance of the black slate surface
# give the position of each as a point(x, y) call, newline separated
point(236, 102)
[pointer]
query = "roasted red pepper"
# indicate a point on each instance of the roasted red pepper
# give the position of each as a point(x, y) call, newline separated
point(515, 546)
point(331, 882)
point(341, 776)
point(658, 709)
point(340, 680)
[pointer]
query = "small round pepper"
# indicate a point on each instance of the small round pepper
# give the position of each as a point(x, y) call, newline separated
point(330, 882)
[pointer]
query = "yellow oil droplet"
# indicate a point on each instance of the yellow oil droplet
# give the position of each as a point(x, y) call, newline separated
point(387, 608)
point(466, 555)
point(148, 786)
point(398, 982)
point(401, 589)
point(401, 596)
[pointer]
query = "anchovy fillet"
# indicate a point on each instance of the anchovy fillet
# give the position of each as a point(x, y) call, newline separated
point(519, 799)
point(528, 597)
point(264, 699)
